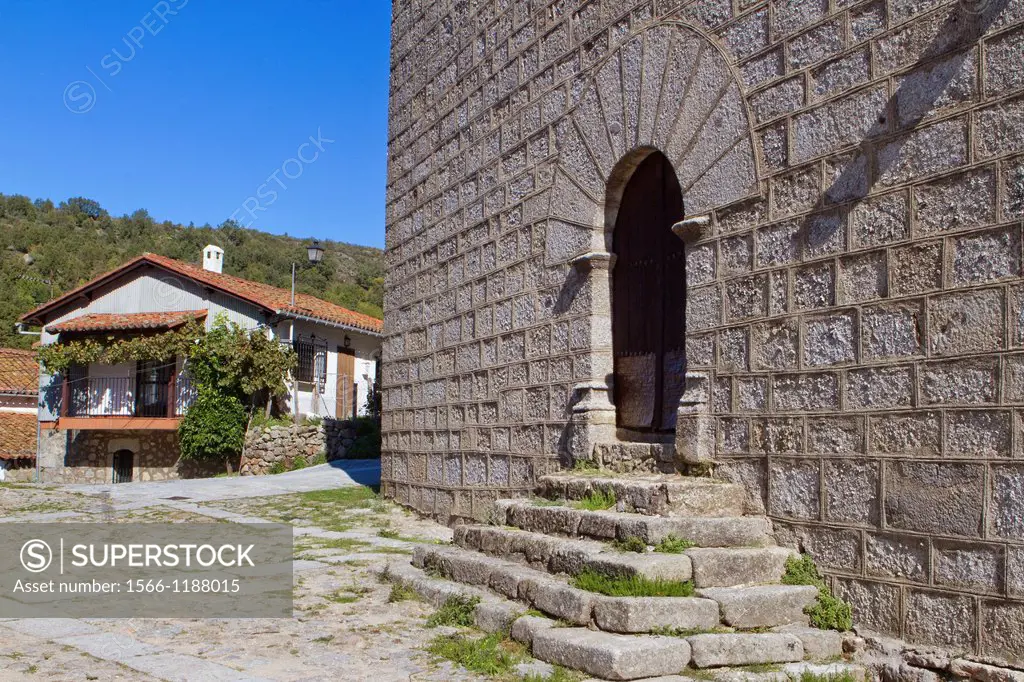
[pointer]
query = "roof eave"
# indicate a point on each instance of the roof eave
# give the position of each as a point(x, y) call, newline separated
point(290, 315)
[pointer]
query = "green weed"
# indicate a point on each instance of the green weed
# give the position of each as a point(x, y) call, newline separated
point(596, 500)
point(810, 676)
point(491, 655)
point(673, 545)
point(632, 586)
point(585, 465)
point(630, 544)
point(457, 610)
point(827, 612)
point(400, 592)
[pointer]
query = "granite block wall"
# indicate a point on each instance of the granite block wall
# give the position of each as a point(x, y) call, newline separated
point(854, 293)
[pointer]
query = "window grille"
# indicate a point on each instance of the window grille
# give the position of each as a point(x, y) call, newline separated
point(312, 354)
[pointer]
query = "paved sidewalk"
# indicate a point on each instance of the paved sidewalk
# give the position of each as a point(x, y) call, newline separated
point(323, 477)
point(346, 626)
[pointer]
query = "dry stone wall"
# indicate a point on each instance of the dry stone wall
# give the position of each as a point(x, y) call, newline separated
point(279, 446)
point(855, 299)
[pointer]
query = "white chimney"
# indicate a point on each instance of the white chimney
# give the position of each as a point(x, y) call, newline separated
point(213, 259)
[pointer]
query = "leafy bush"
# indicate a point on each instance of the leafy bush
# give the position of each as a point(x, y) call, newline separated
point(277, 468)
point(367, 440)
point(299, 463)
point(632, 586)
point(827, 612)
point(321, 458)
point(213, 428)
point(457, 610)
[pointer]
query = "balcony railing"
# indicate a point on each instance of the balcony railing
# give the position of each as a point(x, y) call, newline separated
point(125, 397)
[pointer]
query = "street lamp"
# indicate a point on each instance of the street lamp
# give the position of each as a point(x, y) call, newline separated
point(315, 253)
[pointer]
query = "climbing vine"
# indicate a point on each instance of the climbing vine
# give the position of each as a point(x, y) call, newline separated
point(57, 358)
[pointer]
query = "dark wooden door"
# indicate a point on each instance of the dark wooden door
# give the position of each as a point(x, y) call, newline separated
point(649, 299)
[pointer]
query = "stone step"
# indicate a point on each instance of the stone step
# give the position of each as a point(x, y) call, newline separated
point(628, 458)
point(724, 531)
point(602, 654)
point(562, 555)
point(655, 495)
point(762, 606)
point(555, 597)
point(612, 657)
point(731, 567)
point(710, 651)
point(739, 607)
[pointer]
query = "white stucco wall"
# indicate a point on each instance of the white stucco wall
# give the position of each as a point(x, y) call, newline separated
point(367, 350)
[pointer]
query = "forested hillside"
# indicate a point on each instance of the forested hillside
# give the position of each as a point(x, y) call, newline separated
point(46, 249)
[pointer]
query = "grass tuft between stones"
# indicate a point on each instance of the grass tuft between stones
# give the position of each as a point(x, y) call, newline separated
point(827, 612)
point(673, 545)
point(811, 676)
point(630, 544)
point(596, 500)
point(400, 592)
point(457, 610)
point(493, 655)
point(489, 655)
point(631, 586)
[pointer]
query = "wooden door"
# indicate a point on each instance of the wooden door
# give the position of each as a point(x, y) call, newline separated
point(649, 299)
point(346, 391)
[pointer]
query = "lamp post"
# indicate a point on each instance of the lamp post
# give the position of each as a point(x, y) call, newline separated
point(315, 254)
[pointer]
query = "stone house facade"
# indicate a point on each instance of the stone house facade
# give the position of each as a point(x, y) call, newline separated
point(846, 334)
point(119, 423)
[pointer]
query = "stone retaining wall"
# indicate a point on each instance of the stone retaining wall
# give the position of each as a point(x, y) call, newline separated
point(90, 457)
point(281, 445)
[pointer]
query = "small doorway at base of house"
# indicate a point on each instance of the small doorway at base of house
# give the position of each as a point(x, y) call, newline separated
point(124, 464)
point(649, 299)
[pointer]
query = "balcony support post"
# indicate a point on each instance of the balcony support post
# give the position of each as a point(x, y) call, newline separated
point(172, 395)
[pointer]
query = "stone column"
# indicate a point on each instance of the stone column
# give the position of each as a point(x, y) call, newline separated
point(593, 406)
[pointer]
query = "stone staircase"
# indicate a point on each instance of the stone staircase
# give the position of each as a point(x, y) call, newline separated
point(526, 558)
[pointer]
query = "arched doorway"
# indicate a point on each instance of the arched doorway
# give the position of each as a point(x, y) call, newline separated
point(124, 465)
point(649, 299)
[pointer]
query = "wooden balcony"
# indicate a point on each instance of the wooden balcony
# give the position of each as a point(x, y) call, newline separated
point(122, 403)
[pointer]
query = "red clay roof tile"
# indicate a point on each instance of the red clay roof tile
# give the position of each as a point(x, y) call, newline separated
point(103, 322)
point(17, 435)
point(19, 372)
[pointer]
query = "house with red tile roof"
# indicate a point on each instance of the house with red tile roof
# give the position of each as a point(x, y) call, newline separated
point(19, 391)
point(110, 423)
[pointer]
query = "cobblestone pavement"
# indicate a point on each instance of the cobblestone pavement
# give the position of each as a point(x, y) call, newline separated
point(344, 626)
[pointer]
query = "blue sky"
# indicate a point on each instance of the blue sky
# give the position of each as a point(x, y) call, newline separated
point(192, 110)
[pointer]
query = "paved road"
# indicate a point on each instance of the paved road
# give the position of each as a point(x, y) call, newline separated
point(325, 476)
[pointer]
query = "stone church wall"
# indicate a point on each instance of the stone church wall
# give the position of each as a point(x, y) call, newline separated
point(855, 301)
